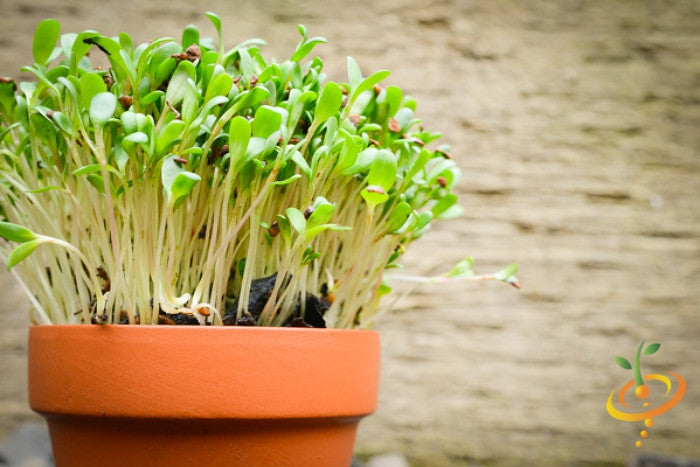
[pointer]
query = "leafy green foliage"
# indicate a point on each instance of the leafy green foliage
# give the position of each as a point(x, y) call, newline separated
point(21, 252)
point(16, 233)
point(45, 38)
point(184, 171)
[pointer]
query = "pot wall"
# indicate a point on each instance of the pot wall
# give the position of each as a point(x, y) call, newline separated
point(176, 395)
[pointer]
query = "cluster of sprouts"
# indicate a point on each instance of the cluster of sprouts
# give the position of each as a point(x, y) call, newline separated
point(166, 186)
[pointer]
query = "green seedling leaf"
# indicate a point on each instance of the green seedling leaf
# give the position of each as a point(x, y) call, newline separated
point(16, 233)
point(164, 70)
point(300, 161)
point(354, 74)
point(285, 228)
point(362, 162)
point(220, 85)
point(652, 349)
point(251, 98)
point(306, 45)
point(120, 156)
point(369, 82)
point(113, 50)
point(177, 182)
point(403, 117)
point(462, 269)
point(507, 272)
point(126, 43)
point(44, 189)
point(287, 181)
point(62, 122)
point(329, 102)
point(168, 136)
point(190, 36)
point(445, 203)
point(91, 84)
point(309, 255)
point(7, 97)
point(43, 126)
point(296, 219)
point(398, 217)
point(623, 363)
point(321, 214)
point(102, 108)
point(178, 86)
point(382, 172)
point(238, 139)
point(45, 38)
point(97, 182)
point(151, 97)
point(314, 231)
point(88, 169)
point(129, 122)
point(267, 121)
point(423, 219)
point(215, 20)
point(21, 252)
point(182, 186)
point(452, 212)
point(374, 195)
point(393, 98)
point(138, 137)
point(383, 289)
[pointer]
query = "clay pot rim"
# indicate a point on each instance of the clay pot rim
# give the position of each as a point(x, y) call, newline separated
point(212, 372)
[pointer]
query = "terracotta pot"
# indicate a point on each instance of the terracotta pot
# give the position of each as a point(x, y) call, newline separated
point(190, 396)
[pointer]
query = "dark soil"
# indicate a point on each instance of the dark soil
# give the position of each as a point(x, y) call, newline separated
point(260, 292)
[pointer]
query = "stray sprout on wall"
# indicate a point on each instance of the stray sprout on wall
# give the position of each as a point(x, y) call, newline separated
point(189, 184)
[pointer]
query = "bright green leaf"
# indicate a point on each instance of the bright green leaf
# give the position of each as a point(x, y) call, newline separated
point(178, 85)
point(21, 252)
point(329, 102)
point(382, 172)
point(462, 268)
point(220, 85)
point(44, 189)
point(374, 195)
point(296, 219)
point(238, 139)
point(215, 20)
point(354, 74)
point(190, 36)
point(102, 108)
point(444, 204)
point(45, 38)
point(91, 84)
point(398, 217)
point(267, 121)
point(369, 82)
point(507, 272)
point(16, 233)
point(652, 349)
point(320, 215)
point(168, 136)
point(310, 233)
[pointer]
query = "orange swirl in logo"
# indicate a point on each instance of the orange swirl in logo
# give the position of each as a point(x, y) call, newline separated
point(632, 416)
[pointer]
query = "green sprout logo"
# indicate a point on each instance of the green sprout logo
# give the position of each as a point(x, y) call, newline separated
point(645, 410)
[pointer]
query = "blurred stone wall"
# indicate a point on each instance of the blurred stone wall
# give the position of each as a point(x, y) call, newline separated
point(576, 124)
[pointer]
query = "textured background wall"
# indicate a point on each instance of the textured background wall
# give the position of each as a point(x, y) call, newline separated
point(576, 124)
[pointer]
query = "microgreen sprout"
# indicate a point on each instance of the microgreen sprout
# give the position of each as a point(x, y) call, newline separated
point(190, 183)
